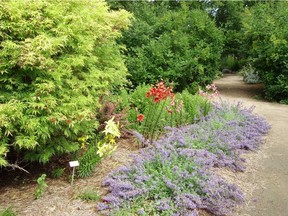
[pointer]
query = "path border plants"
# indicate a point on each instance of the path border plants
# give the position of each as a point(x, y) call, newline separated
point(174, 176)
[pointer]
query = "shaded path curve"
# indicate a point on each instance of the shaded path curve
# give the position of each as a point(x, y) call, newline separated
point(270, 196)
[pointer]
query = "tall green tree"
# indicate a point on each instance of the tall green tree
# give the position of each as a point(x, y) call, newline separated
point(228, 17)
point(57, 58)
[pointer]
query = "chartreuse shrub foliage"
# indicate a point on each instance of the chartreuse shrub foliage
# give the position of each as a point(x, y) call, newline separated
point(176, 44)
point(57, 58)
point(265, 30)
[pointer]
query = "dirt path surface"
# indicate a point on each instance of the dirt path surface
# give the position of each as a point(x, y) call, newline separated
point(267, 179)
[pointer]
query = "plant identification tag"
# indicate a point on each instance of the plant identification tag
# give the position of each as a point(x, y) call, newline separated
point(74, 163)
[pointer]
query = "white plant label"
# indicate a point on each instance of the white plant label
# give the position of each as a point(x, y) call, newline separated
point(74, 163)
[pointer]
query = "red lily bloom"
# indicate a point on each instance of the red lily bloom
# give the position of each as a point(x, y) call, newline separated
point(160, 92)
point(140, 117)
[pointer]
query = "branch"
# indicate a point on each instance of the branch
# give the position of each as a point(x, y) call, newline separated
point(15, 166)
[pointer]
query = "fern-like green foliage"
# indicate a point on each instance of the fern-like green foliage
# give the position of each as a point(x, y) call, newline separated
point(88, 162)
point(57, 58)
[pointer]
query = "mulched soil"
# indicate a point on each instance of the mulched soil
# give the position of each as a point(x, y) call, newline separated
point(17, 188)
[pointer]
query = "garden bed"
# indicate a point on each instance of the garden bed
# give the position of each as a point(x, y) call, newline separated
point(176, 175)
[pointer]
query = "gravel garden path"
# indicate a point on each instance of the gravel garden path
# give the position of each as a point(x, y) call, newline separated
point(269, 175)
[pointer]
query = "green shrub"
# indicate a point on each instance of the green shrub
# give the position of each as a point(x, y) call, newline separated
point(177, 44)
point(57, 58)
point(228, 19)
point(265, 33)
point(231, 63)
point(278, 90)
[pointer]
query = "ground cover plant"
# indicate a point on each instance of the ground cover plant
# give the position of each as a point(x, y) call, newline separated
point(174, 176)
point(89, 195)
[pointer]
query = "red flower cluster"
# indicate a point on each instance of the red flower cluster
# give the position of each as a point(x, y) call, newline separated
point(140, 117)
point(160, 92)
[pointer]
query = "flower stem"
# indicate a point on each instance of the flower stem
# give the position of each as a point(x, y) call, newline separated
point(156, 122)
point(146, 121)
point(151, 122)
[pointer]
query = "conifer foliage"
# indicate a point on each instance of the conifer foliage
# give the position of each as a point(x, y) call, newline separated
point(57, 58)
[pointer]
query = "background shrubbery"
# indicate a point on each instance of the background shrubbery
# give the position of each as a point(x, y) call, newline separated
point(57, 58)
point(265, 32)
point(177, 44)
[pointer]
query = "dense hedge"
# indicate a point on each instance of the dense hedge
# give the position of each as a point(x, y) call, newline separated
point(178, 44)
point(57, 58)
point(265, 31)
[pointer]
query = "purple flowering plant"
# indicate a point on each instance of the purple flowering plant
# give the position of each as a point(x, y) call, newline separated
point(174, 176)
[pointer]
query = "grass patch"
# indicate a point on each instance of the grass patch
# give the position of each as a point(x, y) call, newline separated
point(89, 195)
point(8, 212)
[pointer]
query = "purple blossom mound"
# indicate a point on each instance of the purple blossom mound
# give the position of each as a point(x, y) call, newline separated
point(174, 176)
